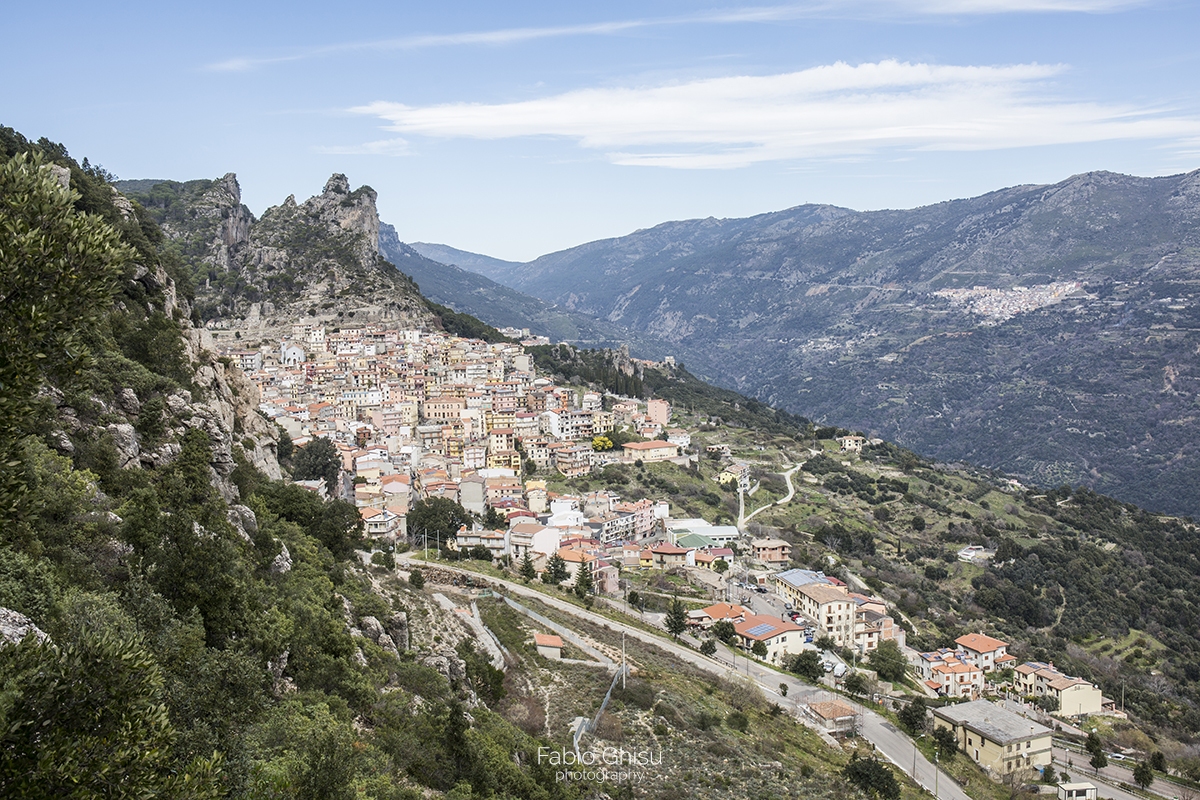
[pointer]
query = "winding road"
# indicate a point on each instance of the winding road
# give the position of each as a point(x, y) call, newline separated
point(886, 739)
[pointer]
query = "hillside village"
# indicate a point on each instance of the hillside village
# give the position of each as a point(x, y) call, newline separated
point(418, 415)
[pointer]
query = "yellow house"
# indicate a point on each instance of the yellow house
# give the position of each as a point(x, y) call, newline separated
point(996, 738)
point(1075, 696)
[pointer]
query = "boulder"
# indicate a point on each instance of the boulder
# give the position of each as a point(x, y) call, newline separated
point(15, 626)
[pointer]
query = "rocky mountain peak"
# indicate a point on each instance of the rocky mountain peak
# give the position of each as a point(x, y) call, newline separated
point(338, 184)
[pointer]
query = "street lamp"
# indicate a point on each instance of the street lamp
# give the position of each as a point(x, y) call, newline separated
point(914, 768)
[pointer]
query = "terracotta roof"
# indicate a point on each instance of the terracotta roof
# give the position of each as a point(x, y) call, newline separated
point(831, 709)
point(655, 445)
point(980, 643)
point(766, 627)
point(546, 640)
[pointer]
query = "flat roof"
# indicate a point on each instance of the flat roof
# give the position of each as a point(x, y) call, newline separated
point(990, 720)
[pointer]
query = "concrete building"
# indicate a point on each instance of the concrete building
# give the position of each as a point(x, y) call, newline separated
point(996, 738)
point(985, 652)
point(1075, 696)
point(779, 637)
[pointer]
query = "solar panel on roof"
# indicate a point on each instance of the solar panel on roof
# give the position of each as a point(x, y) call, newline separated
point(759, 630)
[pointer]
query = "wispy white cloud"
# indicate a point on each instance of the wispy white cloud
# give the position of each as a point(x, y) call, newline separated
point(384, 147)
point(751, 14)
point(828, 111)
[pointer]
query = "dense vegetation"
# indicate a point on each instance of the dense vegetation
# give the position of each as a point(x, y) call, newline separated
point(194, 650)
point(458, 324)
point(614, 372)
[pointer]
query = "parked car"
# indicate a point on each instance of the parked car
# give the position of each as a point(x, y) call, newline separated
point(788, 606)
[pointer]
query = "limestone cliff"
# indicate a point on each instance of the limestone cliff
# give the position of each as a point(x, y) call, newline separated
point(315, 262)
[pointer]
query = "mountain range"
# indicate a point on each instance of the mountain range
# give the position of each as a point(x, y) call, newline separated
point(1047, 331)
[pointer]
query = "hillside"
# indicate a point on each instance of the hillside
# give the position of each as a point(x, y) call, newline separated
point(471, 293)
point(1103, 589)
point(314, 263)
point(1048, 331)
point(177, 622)
point(474, 262)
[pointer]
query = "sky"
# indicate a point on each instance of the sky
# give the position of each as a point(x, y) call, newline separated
point(522, 128)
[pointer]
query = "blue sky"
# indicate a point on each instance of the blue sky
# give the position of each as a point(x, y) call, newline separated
point(518, 129)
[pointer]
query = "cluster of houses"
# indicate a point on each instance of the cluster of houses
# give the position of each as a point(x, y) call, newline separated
point(400, 401)
point(960, 672)
point(418, 414)
point(821, 606)
point(851, 619)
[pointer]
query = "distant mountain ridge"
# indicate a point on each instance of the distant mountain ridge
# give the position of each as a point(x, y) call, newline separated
point(499, 305)
point(845, 315)
point(473, 262)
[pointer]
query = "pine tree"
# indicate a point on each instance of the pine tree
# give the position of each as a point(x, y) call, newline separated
point(528, 573)
point(556, 570)
point(583, 582)
point(676, 618)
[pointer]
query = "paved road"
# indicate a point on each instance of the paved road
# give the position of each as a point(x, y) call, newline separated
point(787, 476)
point(1088, 775)
point(1113, 774)
point(887, 740)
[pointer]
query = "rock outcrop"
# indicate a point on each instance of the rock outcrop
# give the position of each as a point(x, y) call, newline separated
point(315, 262)
point(15, 626)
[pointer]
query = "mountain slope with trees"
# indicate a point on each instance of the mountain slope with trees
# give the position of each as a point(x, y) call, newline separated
point(845, 316)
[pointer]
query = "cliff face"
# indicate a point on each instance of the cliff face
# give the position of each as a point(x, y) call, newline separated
point(315, 262)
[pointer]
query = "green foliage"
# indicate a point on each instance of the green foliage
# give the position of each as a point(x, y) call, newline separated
point(872, 777)
point(486, 680)
point(556, 570)
point(417, 579)
point(676, 621)
point(808, 666)
point(1046, 703)
point(856, 683)
point(465, 325)
point(1098, 761)
point(58, 274)
point(708, 647)
point(947, 744)
point(723, 630)
point(86, 718)
point(1143, 774)
point(912, 717)
point(888, 662)
point(584, 584)
point(759, 649)
point(528, 572)
point(439, 518)
point(319, 460)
